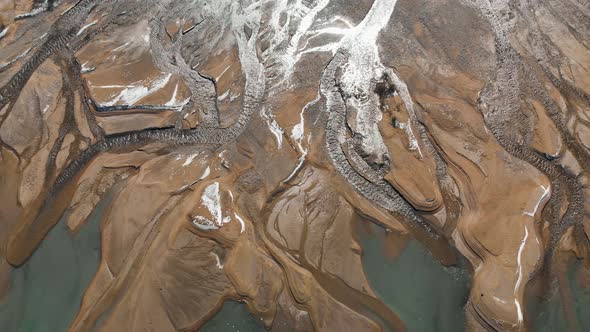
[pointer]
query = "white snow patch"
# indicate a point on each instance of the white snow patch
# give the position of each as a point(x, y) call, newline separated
point(146, 36)
point(172, 101)
point(297, 167)
point(132, 94)
point(85, 69)
point(274, 127)
point(364, 63)
point(181, 105)
point(242, 223)
point(205, 173)
point(217, 260)
point(412, 141)
point(212, 201)
point(3, 32)
point(86, 27)
point(205, 226)
point(189, 159)
point(18, 57)
point(70, 7)
point(297, 134)
point(42, 8)
point(223, 96)
point(520, 275)
point(223, 72)
point(343, 20)
point(541, 199)
point(297, 131)
point(120, 47)
point(286, 58)
point(499, 299)
point(233, 97)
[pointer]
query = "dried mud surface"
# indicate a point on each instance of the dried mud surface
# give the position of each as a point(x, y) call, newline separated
point(244, 141)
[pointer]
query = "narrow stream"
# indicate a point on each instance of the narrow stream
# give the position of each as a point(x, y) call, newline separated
point(45, 293)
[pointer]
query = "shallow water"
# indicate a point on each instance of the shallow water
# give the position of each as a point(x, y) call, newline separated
point(426, 295)
point(549, 316)
point(233, 317)
point(45, 292)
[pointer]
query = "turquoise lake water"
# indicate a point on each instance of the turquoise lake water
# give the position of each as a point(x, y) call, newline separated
point(45, 292)
point(426, 295)
point(233, 317)
point(548, 316)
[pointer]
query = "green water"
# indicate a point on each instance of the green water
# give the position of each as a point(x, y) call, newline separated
point(233, 317)
point(548, 316)
point(581, 299)
point(426, 295)
point(45, 293)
